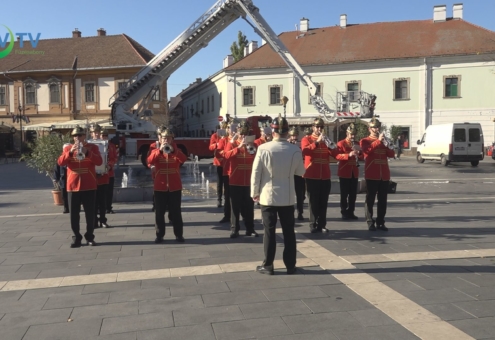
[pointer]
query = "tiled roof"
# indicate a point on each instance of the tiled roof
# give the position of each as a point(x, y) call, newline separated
point(376, 41)
point(108, 51)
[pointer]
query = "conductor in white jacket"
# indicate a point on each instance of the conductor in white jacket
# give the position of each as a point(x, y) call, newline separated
point(272, 183)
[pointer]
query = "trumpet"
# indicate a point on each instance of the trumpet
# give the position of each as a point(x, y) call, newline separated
point(329, 143)
point(251, 149)
point(234, 137)
point(80, 155)
point(388, 142)
point(357, 150)
point(167, 149)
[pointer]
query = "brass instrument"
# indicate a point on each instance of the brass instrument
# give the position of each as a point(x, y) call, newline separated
point(357, 150)
point(80, 155)
point(168, 149)
point(251, 149)
point(157, 144)
point(388, 142)
point(234, 137)
point(329, 143)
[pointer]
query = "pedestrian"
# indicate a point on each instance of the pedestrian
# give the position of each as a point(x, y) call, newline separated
point(377, 175)
point(167, 185)
point(348, 172)
point(272, 184)
point(400, 146)
point(241, 159)
point(215, 139)
point(299, 183)
point(112, 161)
point(81, 159)
point(317, 154)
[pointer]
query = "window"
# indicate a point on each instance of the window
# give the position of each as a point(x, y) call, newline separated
point(353, 88)
point(459, 135)
point(202, 106)
point(275, 95)
point(319, 91)
point(208, 105)
point(2, 95)
point(474, 135)
point(89, 92)
point(156, 95)
point(220, 99)
point(401, 89)
point(452, 86)
point(404, 135)
point(248, 96)
point(55, 93)
point(30, 94)
point(212, 103)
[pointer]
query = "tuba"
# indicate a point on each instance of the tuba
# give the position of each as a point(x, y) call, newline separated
point(80, 155)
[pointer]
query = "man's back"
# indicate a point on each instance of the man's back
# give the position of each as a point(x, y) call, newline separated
point(274, 168)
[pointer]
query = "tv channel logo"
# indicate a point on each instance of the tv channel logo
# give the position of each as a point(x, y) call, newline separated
point(9, 38)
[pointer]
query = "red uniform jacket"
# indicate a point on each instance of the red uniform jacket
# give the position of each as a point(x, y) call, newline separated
point(152, 147)
point(81, 175)
point(167, 170)
point(217, 157)
point(222, 145)
point(113, 157)
point(376, 162)
point(316, 158)
point(241, 164)
point(259, 141)
point(347, 165)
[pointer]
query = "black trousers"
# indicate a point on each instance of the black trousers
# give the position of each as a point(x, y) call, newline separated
point(374, 188)
point(318, 192)
point(286, 216)
point(226, 191)
point(171, 201)
point(110, 193)
point(243, 205)
point(87, 199)
point(300, 187)
point(220, 183)
point(100, 204)
point(348, 193)
point(66, 198)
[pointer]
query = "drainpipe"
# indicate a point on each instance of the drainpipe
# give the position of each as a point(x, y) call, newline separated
point(74, 89)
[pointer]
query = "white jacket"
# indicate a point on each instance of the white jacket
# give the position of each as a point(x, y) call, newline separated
point(274, 167)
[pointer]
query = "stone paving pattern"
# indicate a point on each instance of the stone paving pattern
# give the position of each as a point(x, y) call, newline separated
point(426, 215)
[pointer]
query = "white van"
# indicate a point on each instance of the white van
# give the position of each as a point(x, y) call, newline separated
point(453, 142)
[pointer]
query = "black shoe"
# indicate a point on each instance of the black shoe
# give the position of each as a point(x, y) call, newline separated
point(300, 217)
point(225, 219)
point(75, 243)
point(382, 227)
point(105, 225)
point(91, 243)
point(252, 233)
point(291, 271)
point(314, 230)
point(352, 217)
point(234, 234)
point(265, 270)
point(372, 227)
point(219, 204)
point(180, 239)
point(324, 230)
point(65, 211)
point(153, 209)
point(110, 211)
point(159, 240)
point(97, 226)
point(345, 217)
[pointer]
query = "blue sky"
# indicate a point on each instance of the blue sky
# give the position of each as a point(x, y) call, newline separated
point(155, 23)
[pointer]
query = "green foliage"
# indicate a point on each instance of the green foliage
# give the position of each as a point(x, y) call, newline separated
point(361, 130)
point(395, 131)
point(237, 47)
point(45, 153)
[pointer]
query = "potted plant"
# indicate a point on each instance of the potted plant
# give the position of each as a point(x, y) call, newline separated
point(43, 157)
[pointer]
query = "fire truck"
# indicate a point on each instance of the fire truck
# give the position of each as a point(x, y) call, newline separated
point(137, 125)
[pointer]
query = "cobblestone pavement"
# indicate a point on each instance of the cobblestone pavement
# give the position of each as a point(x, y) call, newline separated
point(431, 276)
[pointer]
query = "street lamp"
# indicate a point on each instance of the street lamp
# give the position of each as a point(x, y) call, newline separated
point(284, 101)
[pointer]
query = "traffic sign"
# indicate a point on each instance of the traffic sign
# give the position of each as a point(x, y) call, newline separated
point(220, 118)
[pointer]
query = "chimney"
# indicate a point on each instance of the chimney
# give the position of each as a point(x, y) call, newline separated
point(440, 13)
point(228, 60)
point(246, 50)
point(343, 20)
point(253, 46)
point(101, 32)
point(304, 25)
point(76, 33)
point(457, 11)
point(199, 80)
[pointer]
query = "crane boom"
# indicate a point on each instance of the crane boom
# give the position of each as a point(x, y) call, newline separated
point(141, 87)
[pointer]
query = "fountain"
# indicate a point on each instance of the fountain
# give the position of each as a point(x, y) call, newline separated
point(130, 179)
point(124, 180)
point(207, 189)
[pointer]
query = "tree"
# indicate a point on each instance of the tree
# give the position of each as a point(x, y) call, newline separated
point(395, 131)
point(237, 48)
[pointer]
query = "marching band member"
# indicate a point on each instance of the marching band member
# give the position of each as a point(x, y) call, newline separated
point(300, 185)
point(152, 167)
point(241, 163)
point(81, 159)
point(266, 136)
point(113, 157)
point(222, 144)
point(102, 181)
point(348, 172)
point(377, 175)
point(316, 161)
point(217, 161)
point(167, 185)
